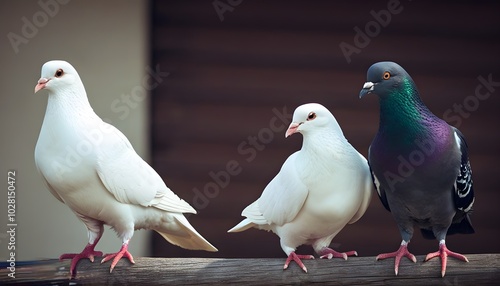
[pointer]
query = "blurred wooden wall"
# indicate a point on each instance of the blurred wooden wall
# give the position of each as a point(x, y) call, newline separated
point(228, 78)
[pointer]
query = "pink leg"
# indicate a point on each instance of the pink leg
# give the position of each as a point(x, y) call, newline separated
point(330, 253)
point(117, 256)
point(443, 253)
point(297, 258)
point(402, 251)
point(88, 252)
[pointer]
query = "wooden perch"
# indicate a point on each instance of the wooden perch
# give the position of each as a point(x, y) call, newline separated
point(482, 269)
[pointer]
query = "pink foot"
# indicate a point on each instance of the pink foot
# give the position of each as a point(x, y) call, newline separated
point(443, 253)
point(402, 251)
point(117, 256)
point(87, 252)
point(329, 253)
point(297, 258)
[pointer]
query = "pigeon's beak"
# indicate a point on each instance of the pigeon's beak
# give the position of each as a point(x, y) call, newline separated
point(41, 84)
point(367, 88)
point(293, 128)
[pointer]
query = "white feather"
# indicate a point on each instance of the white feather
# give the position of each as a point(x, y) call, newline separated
point(284, 196)
point(318, 190)
point(130, 179)
point(92, 167)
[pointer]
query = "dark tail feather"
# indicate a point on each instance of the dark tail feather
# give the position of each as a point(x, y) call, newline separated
point(427, 233)
point(464, 227)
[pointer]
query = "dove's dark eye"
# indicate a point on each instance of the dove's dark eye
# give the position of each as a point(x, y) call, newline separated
point(387, 75)
point(311, 116)
point(59, 73)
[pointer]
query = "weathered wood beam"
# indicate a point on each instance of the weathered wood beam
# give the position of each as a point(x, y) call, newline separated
point(482, 269)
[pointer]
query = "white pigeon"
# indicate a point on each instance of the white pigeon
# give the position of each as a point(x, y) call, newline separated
point(91, 166)
point(319, 189)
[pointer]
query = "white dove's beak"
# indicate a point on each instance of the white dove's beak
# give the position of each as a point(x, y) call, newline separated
point(41, 84)
point(293, 128)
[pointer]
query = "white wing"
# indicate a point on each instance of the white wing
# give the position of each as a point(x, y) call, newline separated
point(51, 189)
point(130, 179)
point(367, 190)
point(283, 197)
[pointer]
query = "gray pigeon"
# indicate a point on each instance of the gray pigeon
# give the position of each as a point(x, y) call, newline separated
point(419, 163)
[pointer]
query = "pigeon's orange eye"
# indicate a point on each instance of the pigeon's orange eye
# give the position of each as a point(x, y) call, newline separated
point(387, 75)
point(59, 73)
point(311, 116)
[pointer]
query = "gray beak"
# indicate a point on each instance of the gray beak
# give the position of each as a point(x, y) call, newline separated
point(367, 88)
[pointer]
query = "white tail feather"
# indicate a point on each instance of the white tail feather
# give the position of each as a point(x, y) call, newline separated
point(189, 238)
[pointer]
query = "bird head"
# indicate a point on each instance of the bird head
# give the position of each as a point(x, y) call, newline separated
point(382, 78)
point(55, 75)
point(309, 118)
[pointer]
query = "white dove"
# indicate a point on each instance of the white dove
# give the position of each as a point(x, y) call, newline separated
point(319, 189)
point(91, 167)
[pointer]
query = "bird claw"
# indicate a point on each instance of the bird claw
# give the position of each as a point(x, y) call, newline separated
point(295, 257)
point(87, 252)
point(443, 253)
point(117, 256)
point(328, 253)
point(402, 251)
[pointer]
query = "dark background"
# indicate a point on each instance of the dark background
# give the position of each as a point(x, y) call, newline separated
point(226, 77)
